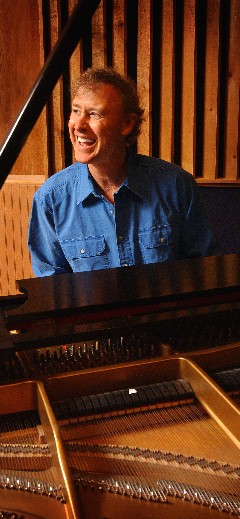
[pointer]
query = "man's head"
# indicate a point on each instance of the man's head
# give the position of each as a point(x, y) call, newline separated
point(92, 77)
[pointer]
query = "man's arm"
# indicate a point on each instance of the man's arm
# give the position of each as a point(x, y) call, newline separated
point(46, 252)
point(197, 236)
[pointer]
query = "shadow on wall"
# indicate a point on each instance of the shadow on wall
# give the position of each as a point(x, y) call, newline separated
point(223, 209)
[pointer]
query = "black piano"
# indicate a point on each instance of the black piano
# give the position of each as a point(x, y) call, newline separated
point(119, 393)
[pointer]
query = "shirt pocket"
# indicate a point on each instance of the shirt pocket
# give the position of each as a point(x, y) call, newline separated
point(88, 253)
point(154, 243)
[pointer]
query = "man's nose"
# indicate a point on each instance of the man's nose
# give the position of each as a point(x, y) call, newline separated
point(81, 122)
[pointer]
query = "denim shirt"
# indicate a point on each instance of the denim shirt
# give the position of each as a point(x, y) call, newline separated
point(157, 216)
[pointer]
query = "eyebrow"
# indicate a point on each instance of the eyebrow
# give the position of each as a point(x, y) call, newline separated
point(91, 107)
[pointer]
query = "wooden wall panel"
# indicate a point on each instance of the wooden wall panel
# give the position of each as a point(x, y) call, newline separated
point(167, 76)
point(21, 55)
point(55, 105)
point(211, 119)
point(122, 34)
point(188, 87)
point(76, 61)
point(144, 72)
point(119, 57)
point(231, 160)
point(15, 205)
point(99, 58)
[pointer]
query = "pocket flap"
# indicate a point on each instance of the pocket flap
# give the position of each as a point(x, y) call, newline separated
point(83, 247)
point(154, 237)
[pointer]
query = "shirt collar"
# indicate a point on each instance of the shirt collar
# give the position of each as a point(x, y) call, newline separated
point(135, 178)
point(132, 181)
point(85, 184)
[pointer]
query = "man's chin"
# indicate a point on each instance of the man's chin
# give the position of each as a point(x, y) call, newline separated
point(84, 158)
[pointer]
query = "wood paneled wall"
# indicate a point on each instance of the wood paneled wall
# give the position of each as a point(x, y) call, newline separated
point(184, 56)
point(15, 203)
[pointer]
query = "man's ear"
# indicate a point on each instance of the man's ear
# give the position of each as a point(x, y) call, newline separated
point(129, 123)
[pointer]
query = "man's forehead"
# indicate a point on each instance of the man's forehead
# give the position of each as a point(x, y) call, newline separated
point(101, 91)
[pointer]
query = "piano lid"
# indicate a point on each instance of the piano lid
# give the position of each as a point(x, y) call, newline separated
point(130, 290)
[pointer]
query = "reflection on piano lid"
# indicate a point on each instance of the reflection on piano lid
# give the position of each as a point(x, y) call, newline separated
point(75, 305)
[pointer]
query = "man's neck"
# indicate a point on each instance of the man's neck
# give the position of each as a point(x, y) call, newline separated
point(109, 177)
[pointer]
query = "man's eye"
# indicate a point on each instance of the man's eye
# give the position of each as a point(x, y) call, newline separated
point(94, 115)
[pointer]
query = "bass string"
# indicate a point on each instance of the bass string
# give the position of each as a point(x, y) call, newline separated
point(24, 431)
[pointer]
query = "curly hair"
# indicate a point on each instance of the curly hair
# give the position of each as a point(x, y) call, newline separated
point(125, 86)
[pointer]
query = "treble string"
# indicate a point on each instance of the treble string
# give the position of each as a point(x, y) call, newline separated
point(128, 430)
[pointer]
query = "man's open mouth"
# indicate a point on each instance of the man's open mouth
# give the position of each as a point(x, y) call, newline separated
point(85, 142)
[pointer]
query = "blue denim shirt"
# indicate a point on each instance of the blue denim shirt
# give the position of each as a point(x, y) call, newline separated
point(157, 216)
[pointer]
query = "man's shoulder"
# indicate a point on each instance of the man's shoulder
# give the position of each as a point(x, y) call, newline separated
point(60, 179)
point(159, 166)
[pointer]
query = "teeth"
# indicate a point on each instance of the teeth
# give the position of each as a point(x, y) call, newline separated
point(82, 140)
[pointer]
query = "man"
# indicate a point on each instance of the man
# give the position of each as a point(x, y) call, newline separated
point(113, 208)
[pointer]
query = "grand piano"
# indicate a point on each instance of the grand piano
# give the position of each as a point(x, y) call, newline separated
point(120, 393)
point(119, 389)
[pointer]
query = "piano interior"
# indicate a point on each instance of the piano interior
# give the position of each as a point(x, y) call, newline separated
point(124, 402)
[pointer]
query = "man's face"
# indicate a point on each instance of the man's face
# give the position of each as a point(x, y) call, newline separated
point(98, 125)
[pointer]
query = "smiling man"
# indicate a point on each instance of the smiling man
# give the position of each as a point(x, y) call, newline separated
point(113, 208)
point(98, 128)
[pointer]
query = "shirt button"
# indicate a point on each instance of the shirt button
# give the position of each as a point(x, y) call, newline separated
point(82, 251)
point(120, 238)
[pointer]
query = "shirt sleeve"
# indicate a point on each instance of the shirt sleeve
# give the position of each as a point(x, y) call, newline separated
point(197, 236)
point(46, 252)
